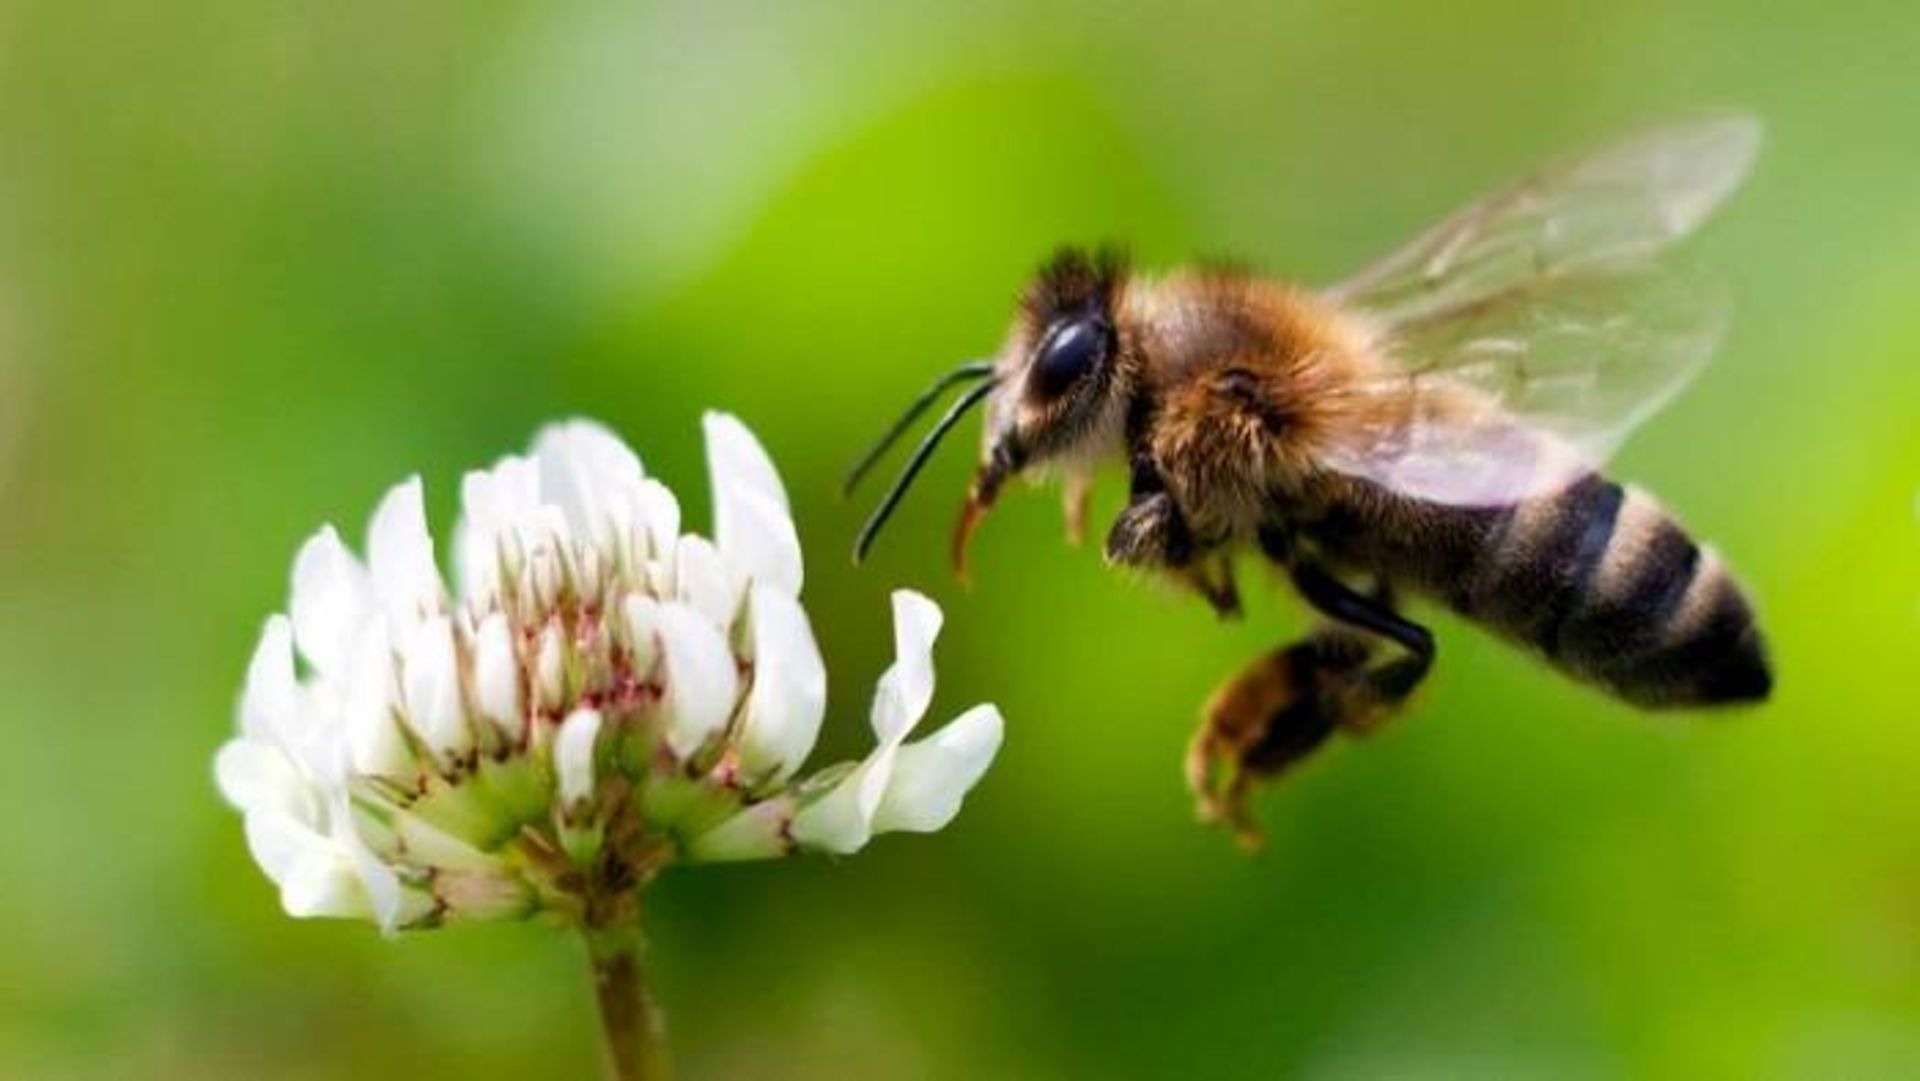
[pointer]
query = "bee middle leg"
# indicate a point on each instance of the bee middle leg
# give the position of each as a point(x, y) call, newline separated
point(1282, 707)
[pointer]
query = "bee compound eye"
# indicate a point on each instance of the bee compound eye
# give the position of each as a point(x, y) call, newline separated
point(1071, 350)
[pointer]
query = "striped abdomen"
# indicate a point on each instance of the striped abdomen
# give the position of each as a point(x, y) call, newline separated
point(1597, 577)
point(1603, 581)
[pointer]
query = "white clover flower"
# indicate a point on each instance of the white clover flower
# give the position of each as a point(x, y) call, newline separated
point(601, 696)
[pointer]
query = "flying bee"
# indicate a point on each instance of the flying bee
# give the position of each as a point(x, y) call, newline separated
point(1432, 426)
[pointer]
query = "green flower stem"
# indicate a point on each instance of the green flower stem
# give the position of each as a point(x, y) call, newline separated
point(630, 1020)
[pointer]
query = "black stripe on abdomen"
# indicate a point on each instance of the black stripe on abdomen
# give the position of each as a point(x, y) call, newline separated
point(1607, 585)
point(1539, 563)
point(1632, 595)
point(1659, 621)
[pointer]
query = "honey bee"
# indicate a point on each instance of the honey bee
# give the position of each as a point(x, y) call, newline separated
point(1432, 426)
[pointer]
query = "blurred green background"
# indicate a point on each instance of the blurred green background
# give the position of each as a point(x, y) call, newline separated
point(259, 260)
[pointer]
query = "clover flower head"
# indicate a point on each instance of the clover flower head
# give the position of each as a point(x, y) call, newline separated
point(601, 696)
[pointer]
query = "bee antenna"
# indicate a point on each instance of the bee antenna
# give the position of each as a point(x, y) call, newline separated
point(921, 453)
point(977, 369)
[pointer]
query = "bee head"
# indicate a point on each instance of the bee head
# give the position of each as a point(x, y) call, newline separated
point(1058, 383)
point(1054, 392)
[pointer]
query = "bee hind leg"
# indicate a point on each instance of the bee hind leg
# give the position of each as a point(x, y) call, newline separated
point(1272, 714)
point(1279, 709)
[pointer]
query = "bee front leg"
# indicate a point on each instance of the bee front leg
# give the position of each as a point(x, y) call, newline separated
point(1152, 533)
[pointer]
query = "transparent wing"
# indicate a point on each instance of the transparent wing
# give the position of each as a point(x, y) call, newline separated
point(1617, 205)
point(1524, 337)
point(1514, 399)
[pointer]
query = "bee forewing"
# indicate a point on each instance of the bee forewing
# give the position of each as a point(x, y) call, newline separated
point(1617, 205)
point(1542, 309)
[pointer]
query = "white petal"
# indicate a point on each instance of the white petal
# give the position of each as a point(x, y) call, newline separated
point(573, 754)
point(496, 676)
point(906, 689)
point(276, 839)
point(476, 565)
point(322, 881)
point(498, 497)
point(482, 504)
point(751, 521)
point(584, 470)
point(256, 775)
point(375, 744)
point(491, 501)
point(330, 601)
point(789, 694)
point(841, 822)
point(270, 703)
point(641, 633)
point(546, 539)
point(660, 516)
point(378, 884)
point(431, 687)
point(400, 556)
point(593, 562)
point(736, 459)
point(931, 776)
point(702, 680)
point(704, 580)
point(563, 480)
point(550, 669)
point(318, 742)
point(758, 540)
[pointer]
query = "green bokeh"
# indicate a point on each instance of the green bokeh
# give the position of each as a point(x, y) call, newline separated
point(260, 260)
